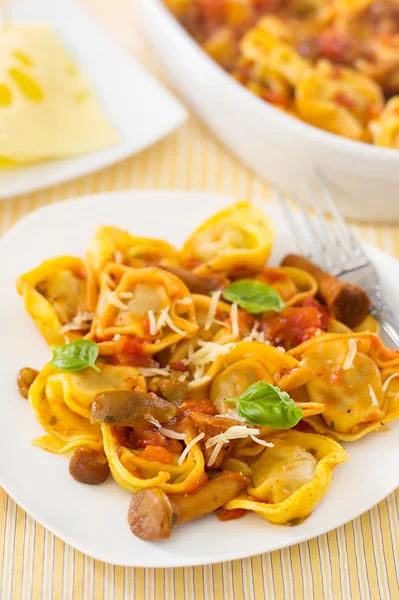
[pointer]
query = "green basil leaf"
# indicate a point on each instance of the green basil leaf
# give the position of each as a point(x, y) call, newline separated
point(265, 404)
point(254, 296)
point(75, 356)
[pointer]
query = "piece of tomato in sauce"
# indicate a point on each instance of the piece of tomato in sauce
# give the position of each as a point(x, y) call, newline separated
point(296, 324)
point(130, 352)
point(202, 405)
point(177, 365)
point(158, 454)
point(224, 514)
point(140, 438)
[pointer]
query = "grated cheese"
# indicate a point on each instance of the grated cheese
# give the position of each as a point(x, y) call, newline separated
point(112, 298)
point(222, 323)
point(388, 381)
point(172, 434)
point(153, 323)
point(234, 320)
point(199, 382)
point(163, 319)
point(374, 399)
point(127, 295)
point(261, 442)
point(212, 309)
point(116, 337)
point(352, 349)
point(109, 280)
point(233, 433)
point(79, 322)
point(185, 301)
point(255, 335)
point(118, 256)
point(172, 326)
point(208, 352)
point(166, 432)
point(215, 453)
point(153, 420)
point(151, 372)
point(189, 446)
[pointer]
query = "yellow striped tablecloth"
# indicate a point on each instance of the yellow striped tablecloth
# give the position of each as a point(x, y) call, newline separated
point(358, 561)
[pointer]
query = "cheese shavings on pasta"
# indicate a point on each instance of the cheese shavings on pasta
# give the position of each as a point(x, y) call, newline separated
point(374, 399)
point(163, 319)
point(235, 432)
point(388, 381)
point(79, 322)
point(212, 310)
point(351, 354)
point(189, 446)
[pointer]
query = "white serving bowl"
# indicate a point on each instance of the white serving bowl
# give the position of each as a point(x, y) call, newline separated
point(284, 150)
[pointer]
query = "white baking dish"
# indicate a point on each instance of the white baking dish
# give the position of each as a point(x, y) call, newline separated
point(284, 150)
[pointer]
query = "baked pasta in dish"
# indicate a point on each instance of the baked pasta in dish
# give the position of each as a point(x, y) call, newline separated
point(332, 63)
point(201, 378)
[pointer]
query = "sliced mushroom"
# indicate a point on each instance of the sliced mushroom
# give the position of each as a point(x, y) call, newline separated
point(130, 408)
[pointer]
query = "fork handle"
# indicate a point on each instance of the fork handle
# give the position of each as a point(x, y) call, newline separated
point(389, 324)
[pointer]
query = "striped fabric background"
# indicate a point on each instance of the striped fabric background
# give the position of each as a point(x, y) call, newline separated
point(358, 561)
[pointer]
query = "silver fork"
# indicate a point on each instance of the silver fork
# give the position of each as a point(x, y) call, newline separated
point(336, 250)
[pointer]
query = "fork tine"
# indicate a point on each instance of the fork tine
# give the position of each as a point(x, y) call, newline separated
point(303, 248)
point(348, 239)
point(319, 254)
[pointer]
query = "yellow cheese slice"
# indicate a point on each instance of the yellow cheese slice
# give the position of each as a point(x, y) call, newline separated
point(47, 106)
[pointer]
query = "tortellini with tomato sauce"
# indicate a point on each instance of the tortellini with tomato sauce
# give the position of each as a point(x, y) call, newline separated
point(291, 478)
point(113, 245)
point(60, 296)
point(62, 402)
point(292, 284)
point(349, 374)
point(385, 129)
point(247, 363)
point(262, 47)
point(236, 241)
point(263, 82)
point(134, 472)
point(149, 304)
point(339, 100)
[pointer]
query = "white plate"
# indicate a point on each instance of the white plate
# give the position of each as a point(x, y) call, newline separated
point(93, 519)
point(140, 108)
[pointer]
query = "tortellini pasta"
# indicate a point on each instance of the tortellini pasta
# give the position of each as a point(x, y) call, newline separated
point(247, 363)
point(267, 50)
point(293, 285)
point(235, 240)
point(349, 379)
point(60, 296)
point(333, 63)
point(290, 478)
point(148, 304)
point(339, 100)
point(385, 129)
point(133, 473)
point(111, 244)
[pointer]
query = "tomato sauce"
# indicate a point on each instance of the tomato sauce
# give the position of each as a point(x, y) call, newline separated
point(130, 352)
point(296, 324)
point(202, 405)
point(224, 514)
